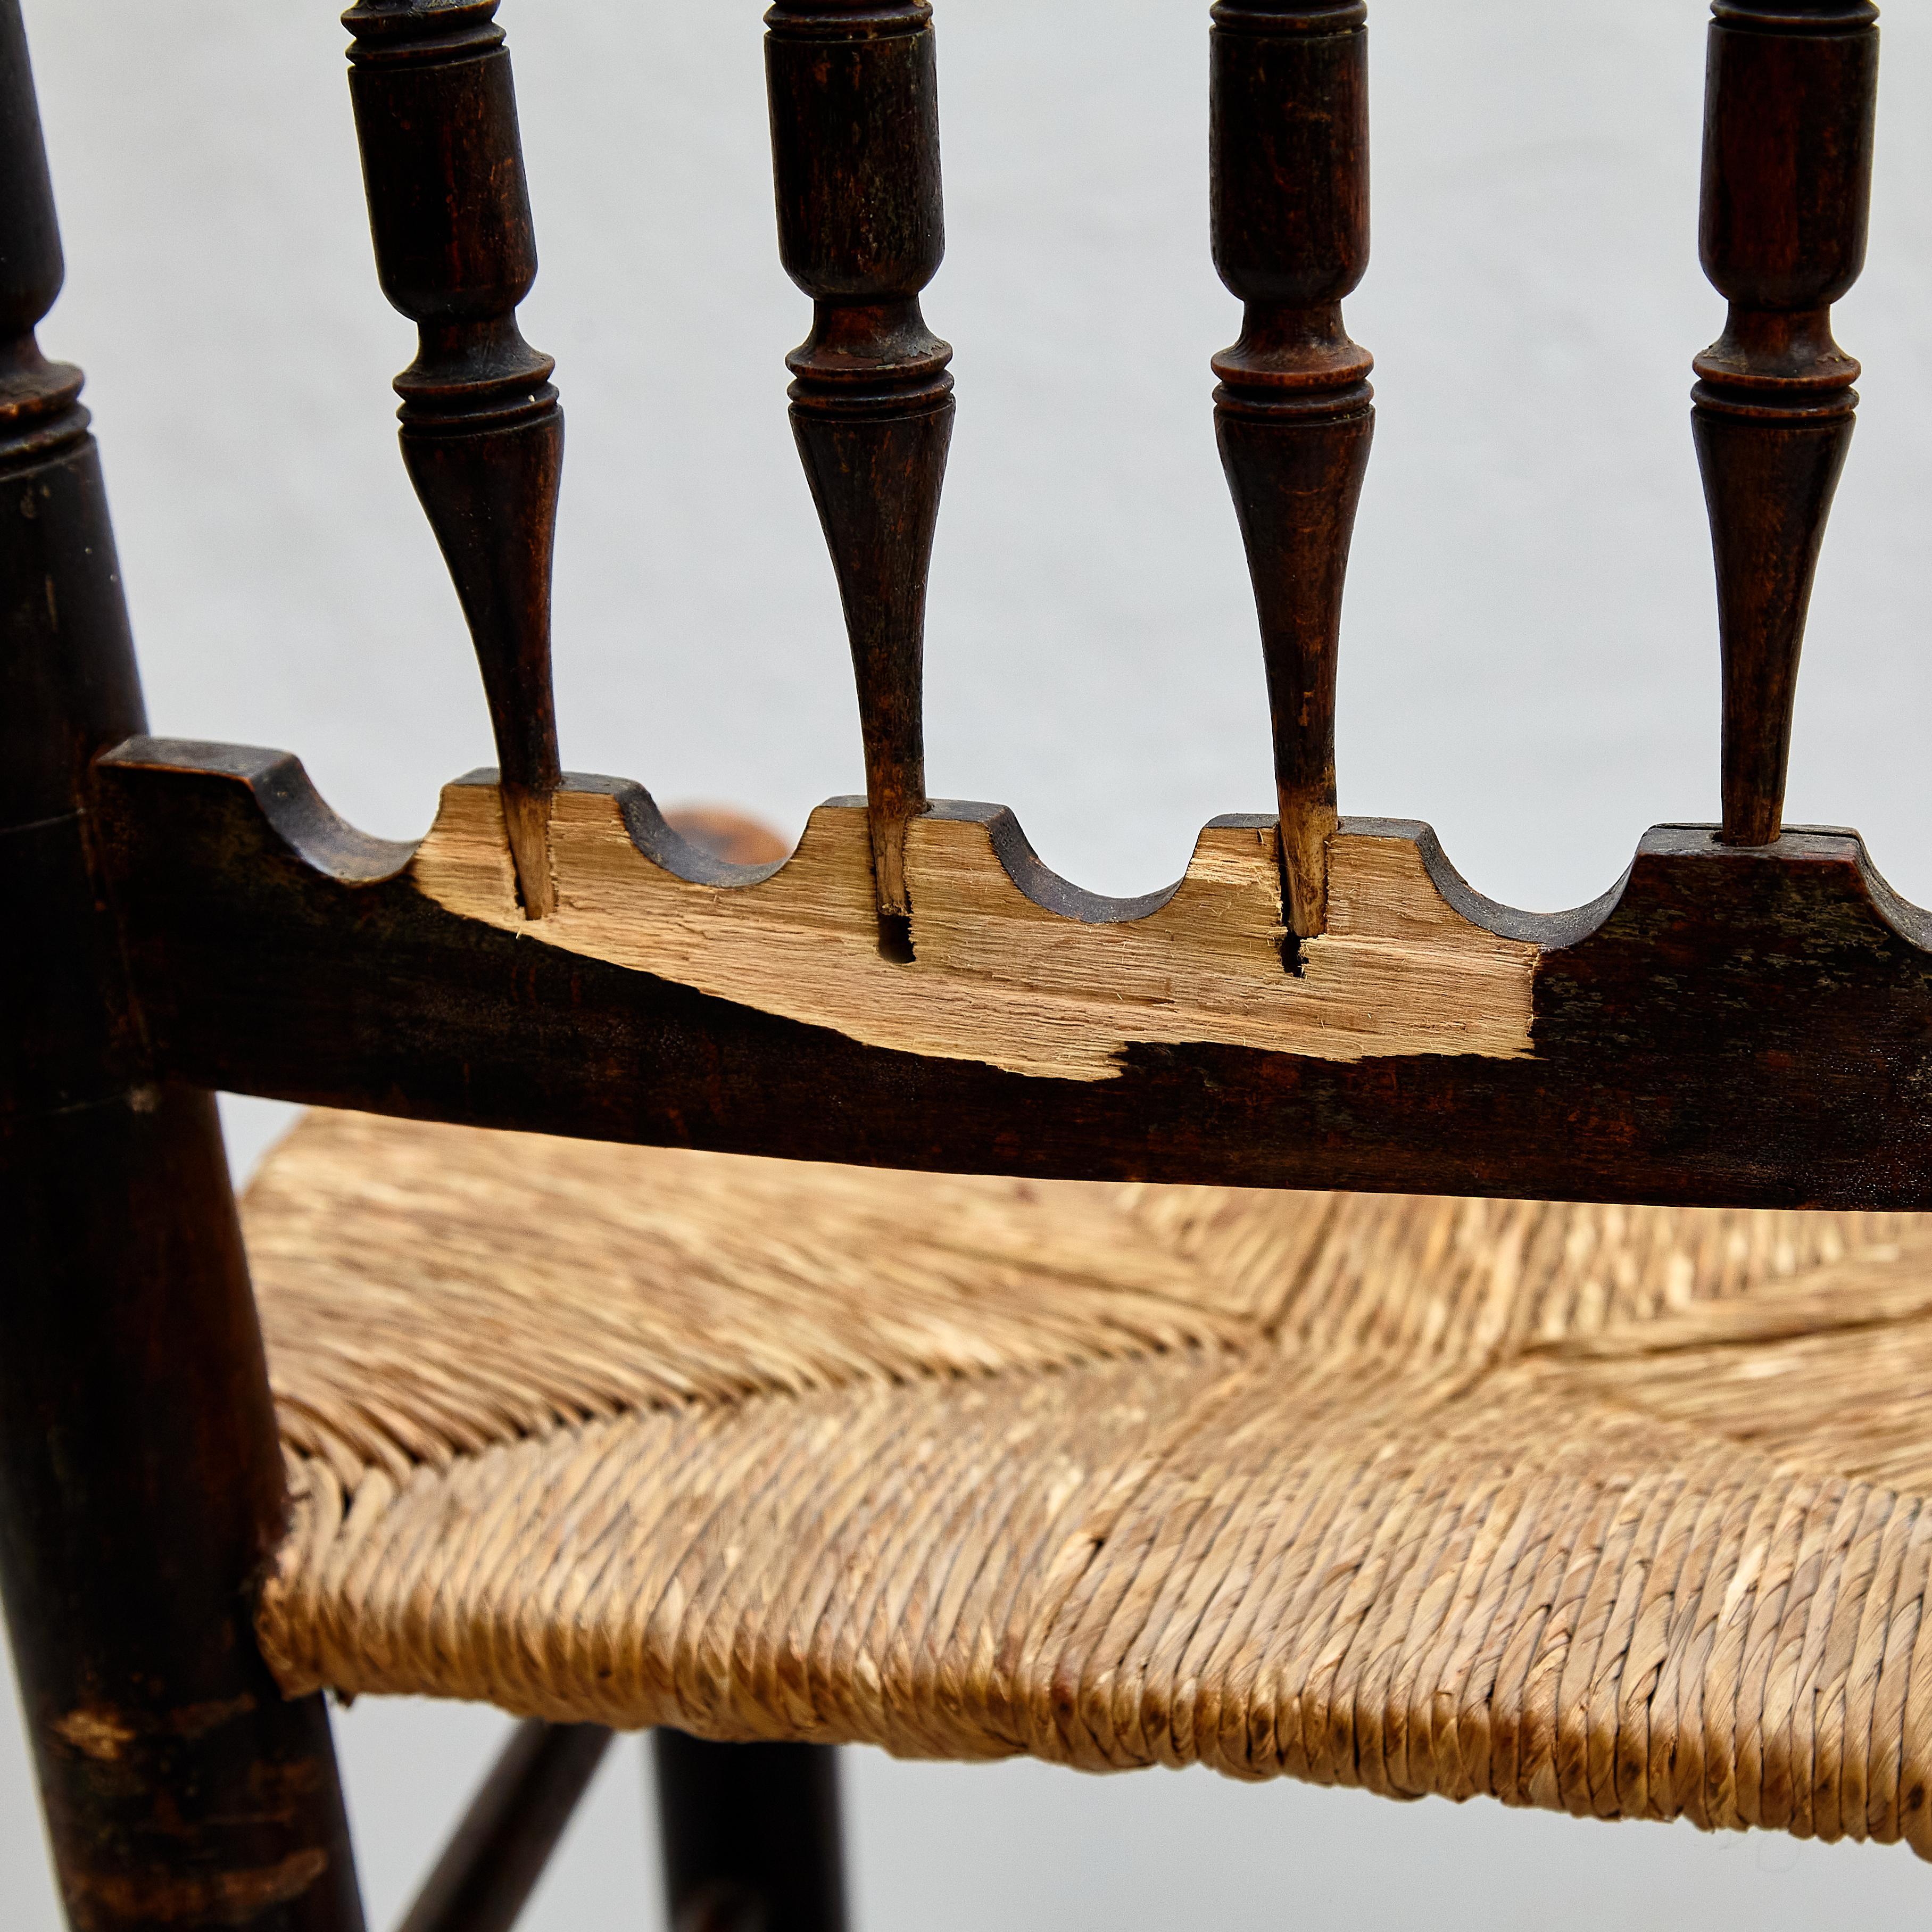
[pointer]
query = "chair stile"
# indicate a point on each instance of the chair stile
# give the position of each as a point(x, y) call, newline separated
point(142, 1488)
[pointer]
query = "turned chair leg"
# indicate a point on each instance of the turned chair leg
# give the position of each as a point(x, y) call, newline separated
point(142, 1490)
point(750, 1834)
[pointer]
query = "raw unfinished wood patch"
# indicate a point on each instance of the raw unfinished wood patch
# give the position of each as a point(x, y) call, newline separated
point(998, 977)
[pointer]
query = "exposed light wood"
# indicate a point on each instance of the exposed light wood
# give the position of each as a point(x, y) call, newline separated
point(1728, 1026)
point(998, 977)
point(1626, 1512)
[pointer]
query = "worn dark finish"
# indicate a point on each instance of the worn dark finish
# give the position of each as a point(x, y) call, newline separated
point(277, 952)
point(141, 1479)
point(482, 432)
point(496, 1855)
point(750, 1834)
point(141, 1490)
point(1788, 127)
point(1293, 414)
point(854, 98)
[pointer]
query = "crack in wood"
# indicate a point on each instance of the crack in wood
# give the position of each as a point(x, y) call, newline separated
point(1011, 967)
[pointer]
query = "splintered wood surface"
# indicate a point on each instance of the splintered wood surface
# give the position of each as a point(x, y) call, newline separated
point(997, 976)
point(1730, 1025)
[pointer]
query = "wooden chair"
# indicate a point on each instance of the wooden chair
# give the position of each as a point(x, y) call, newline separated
point(908, 1332)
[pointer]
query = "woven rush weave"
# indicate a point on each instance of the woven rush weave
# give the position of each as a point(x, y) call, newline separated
point(1615, 1511)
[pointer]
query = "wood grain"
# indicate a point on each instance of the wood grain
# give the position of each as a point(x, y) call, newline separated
point(1728, 1026)
point(998, 975)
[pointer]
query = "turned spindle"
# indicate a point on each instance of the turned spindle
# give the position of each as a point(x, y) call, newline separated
point(1789, 93)
point(482, 434)
point(1293, 413)
point(855, 154)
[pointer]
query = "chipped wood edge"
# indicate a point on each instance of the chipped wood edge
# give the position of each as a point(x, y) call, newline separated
point(997, 976)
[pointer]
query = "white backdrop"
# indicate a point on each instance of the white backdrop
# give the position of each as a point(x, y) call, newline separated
point(1528, 658)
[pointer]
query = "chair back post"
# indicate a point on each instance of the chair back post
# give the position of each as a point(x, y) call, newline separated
point(141, 1485)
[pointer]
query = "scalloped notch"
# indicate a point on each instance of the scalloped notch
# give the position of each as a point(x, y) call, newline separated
point(1013, 967)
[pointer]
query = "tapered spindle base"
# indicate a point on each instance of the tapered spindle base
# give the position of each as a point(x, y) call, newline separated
point(1769, 477)
point(1294, 466)
point(491, 495)
point(875, 467)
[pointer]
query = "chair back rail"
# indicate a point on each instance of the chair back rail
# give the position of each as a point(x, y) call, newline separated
point(1732, 1025)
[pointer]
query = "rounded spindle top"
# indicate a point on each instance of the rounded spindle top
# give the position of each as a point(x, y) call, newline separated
point(387, 31)
point(1271, 17)
point(1796, 16)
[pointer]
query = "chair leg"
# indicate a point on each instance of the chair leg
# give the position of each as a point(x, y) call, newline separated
point(141, 1489)
point(750, 1834)
point(502, 1848)
point(141, 1480)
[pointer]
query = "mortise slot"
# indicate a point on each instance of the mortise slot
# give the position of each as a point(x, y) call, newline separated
point(896, 938)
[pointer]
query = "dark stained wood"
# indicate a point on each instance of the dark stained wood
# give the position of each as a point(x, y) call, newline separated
point(1790, 96)
point(141, 1478)
point(499, 1851)
point(1733, 1025)
point(751, 1835)
point(854, 96)
point(1289, 142)
point(482, 432)
point(141, 1491)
